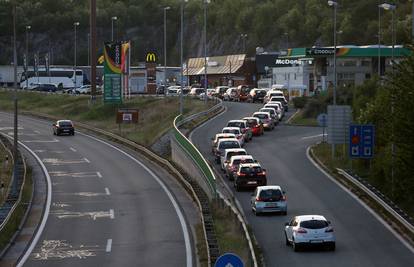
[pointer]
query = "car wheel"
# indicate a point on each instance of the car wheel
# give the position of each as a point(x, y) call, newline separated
point(73, 133)
point(332, 247)
point(296, 247)
point(284, 212)
point(57, 133)
point(287, 240)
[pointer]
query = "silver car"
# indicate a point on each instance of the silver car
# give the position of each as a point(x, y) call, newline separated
point(270, 198)
point(307, 230)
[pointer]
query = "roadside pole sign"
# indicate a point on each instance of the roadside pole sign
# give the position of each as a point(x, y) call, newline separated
point(322, 121)
point(112, 73)
point(361, 141)
point(229, 260)
point(339, 119)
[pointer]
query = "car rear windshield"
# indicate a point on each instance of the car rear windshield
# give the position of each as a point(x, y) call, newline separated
point(229, 144)
point(273, 194)
point(281, 99)
point(271, 111)
point(261, 116)
point(238, 153)
point(65, 123)
point(238, 124)
point(314, 224)
point(239, 161)
point(255, 169)
point(233, 131)
point(251, 122)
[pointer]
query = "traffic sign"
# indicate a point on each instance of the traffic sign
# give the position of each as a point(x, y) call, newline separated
point(322, 119)
point(229, 260)
point(361, 141)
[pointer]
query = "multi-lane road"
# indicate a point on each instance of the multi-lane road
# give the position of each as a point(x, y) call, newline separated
point(108, 208)
point(362, 240)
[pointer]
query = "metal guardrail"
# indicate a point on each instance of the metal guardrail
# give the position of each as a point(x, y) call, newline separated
point(380, 198)
point(12, 201)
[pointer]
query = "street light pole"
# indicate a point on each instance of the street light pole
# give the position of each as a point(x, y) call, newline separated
point(15, 136)
point(205, 48)
point(112, 27)
point(28, 27)
point(92, 23)
point(244, 36)
point(165, 44)
point(379, 41)
point(75, 25)
point(334, 4)
point(182, 56)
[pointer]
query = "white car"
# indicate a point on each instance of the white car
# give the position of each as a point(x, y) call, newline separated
point(84, 89)
point(266, 119)
point(228, 153)
point(218, 137)
point(173, 90)
point(223, 144)
point(270, 198)
point(279, 108)
point(306, 230)
point(237, 131)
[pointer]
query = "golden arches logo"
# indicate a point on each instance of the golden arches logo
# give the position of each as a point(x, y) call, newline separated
point(151, 58)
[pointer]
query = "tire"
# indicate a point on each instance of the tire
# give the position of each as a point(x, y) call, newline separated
point(73, 133)
point(284, 213)
point(332, 247)
point(295, 246)
point(287, 240)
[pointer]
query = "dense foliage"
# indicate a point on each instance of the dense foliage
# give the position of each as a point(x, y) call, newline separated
point(271, 24)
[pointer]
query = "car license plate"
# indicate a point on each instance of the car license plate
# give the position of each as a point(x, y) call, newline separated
point(316, 241)
point(252, 182)
point(66, 130)
point(271, 205)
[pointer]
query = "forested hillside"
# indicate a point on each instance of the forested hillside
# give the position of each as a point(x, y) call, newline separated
point(272, 24)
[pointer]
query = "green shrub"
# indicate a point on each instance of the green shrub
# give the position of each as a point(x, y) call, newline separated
point(300, 102)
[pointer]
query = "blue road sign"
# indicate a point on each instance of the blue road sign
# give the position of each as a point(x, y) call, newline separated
point(361, 141)
point(322, 119)
point(229, 260)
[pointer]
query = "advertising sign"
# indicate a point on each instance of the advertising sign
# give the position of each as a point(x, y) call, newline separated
point(151, 65)
point(320, 51)
point(127, 116)
point(361, 141)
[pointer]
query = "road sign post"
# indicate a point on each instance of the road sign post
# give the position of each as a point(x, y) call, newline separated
point(322, 121)
point(229, 260)
point(361, 141)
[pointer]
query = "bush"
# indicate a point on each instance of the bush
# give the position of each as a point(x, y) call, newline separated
point(300, 102)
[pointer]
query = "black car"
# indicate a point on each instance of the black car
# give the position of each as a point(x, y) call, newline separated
point(45, 88)
point(63, 127)
point(250, 175)
point(258, 95)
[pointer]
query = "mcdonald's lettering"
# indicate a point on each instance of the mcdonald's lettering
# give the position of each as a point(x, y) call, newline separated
point(151, 58)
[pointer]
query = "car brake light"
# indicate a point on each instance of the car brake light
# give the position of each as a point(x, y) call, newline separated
point(261, 173)
point(329, 230)
point(284, 198)
point(241, 174)
point(259, 199)
point(300, 231)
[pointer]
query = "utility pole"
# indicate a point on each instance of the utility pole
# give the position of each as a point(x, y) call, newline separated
point(165, 45)
point(379, 41)
point(27, 56)
point(112, 27)
point(205, 48)
point(75, 25)
point(15, 135)
point(93, 48)
point(182, 56)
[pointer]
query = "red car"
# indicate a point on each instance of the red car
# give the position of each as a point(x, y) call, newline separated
point(255, 124)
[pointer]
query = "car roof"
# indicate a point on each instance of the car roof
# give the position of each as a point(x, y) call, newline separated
point(251, 118)
point(235, 121)
point(250, 165)
point(231, 128)
point(302, 218)
point(241, 157)
point(268, 187)
point(273, 102)
point(64, 121)
point(225, 134)
point(235, 150)
point(260, 112)
point(276, 91)
point(267, 108)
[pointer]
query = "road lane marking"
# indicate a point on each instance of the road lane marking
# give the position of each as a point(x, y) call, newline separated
point(65, 214)
point(73, 174)
point(41, 141)
point(54, 161)
point(186, 235)
point(112, 214)
point(61, 249)
point(87, 160)
point(99, 174)
point(313, 136)
point(108, 245)
point(107, 191)
point(363, 204)
point(36, 131)
point(10, 128)
point(23, 134)
point(74, 150)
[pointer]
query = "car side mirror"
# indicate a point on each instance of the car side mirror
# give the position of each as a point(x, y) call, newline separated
point(286, 224)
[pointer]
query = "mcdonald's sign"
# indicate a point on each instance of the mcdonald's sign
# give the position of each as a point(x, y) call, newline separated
point(151, 57)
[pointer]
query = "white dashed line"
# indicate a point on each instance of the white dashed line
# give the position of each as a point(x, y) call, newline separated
point(99, 174)
point(108, 245)
point(313, 136)
point(42, 141)
point(86, 160)
point(107, 191)
point(111, 214)
point(36, 131)
point(74, 150)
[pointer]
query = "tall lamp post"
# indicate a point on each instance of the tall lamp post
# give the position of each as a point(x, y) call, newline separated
point(15, 136)
point(392, 7)
point(334, 4)
point(182, 56)
point(205, 47)
point(379, 41)
point(28, 27)
point(75, 25)
point(114, 18)
point(244, 36)
point(165, 44)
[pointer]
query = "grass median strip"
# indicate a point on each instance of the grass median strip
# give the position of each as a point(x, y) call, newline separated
point(6, 166)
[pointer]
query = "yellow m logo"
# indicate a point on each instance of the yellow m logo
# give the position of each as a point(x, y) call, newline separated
point(151, 58)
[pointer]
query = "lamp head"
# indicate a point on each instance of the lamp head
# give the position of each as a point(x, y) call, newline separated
point(28, 27)
point(114, 18)
point(332, 3)
point(76, 23)
point(387, 6)
point(167, 8)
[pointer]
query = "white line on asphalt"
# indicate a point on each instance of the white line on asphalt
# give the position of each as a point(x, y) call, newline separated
point(190, 137)
point(108, 245)
point(99, 174)
point(107, 191)
point(86, 160)
point(41, 141)
point(36, 131)
point(189, 255)
point(74, 150)
point(373, 213)
point(313, 136)
point(111, 214)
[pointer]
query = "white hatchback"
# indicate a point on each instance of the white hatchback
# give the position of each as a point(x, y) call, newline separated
point(307, 230)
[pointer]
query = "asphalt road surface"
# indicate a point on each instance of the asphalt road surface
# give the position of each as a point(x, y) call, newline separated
point(361, 239)
point(107, 209)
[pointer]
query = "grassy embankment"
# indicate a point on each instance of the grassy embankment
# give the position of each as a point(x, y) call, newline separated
point(155, 114)
point(5, 171)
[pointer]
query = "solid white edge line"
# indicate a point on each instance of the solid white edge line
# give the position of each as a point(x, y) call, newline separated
point(108, 245)
point(189, 255)
point(46, 211)
point(99, 174)
point(112, 214)
point(363, 204)
point(313, 136)
point(107, 191)
point(190, 137)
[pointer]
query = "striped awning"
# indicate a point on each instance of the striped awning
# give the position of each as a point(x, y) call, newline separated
point(215, 65)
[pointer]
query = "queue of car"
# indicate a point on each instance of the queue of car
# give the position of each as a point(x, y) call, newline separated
point(245, 172)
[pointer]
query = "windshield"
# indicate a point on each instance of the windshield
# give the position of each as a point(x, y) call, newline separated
point(254, 169)
point(237, 124)
point(251, 122)
point(233, 131)
point(271, 111)
point(261, 116)
point(65, 123)
point(273, 194)
point(229, 144)
point(239, 161)
point(314, 224)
